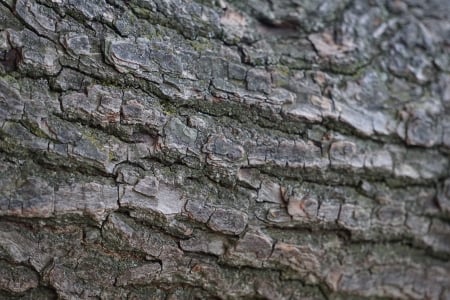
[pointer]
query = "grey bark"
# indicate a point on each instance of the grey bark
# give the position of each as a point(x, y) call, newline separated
point(180, 149)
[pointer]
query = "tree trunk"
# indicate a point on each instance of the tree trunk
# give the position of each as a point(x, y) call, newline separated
point(180, 149)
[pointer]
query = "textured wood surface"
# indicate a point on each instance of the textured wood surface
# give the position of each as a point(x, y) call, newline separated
point(179, 149)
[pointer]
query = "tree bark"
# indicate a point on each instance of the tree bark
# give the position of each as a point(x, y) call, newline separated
point(180, 149)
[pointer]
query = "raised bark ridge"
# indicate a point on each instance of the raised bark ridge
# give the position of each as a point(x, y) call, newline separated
point(224, 149)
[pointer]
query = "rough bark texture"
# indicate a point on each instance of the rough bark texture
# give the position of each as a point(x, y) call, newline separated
point(179, 149)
